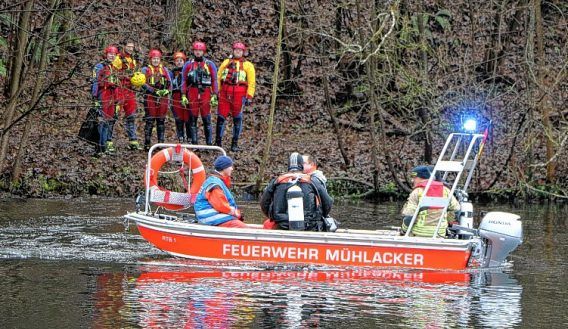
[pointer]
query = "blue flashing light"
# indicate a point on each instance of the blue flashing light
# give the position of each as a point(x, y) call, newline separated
point(470, 125)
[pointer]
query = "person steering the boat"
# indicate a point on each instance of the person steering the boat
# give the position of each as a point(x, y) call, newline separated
point(215, 205)
point(427, 220)
point(295, 201)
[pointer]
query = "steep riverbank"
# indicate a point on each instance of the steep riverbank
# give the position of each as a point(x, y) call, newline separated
point(474, 61)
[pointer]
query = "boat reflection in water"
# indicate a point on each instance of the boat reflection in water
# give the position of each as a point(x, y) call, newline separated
point(195, 294)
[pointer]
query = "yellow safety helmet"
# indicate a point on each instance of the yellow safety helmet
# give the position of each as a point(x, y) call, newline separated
point(138, 79)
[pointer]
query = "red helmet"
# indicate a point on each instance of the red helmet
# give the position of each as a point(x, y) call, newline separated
point(155, 53)
point(239, 45)
point(198, 45)
point(179, 54)
point(111, 50)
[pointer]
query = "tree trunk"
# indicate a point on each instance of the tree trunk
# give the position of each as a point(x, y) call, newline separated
point(330, 111)
point(327, 95)
point(15, 75)
point(179, 18)
point(373, 106)
point(46, 33)
point(543, 106)
point(423, 110)
point(273, 98)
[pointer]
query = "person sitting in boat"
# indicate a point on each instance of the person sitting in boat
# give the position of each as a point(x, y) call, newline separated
point(295, 201)
point(311, 168)
point(215, 205)
point(427, 220)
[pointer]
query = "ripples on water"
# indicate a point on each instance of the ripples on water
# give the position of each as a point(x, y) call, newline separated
point(73, 264)
point(67, 238)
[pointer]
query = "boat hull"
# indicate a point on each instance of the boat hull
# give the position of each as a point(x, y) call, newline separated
point(198, 241)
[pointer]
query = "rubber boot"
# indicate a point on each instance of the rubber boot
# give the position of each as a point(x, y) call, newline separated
point(219, 130)
point(134, 145)
point(148, 133)
point(207, 129)
point(237, 127)
point(110, 149)
point(193, 129)
point(179, 130)
point(161, 128)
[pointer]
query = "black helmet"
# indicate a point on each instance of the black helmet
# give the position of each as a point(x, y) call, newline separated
point(296, 162)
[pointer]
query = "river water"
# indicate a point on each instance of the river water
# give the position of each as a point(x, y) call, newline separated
point(74, 264)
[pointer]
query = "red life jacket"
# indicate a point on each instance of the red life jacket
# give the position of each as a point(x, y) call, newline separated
point(290, 177)
point(199, 64)
point(156, 76)
point(234, 73)
point(107, 77)
point(436, 190)
point(299, 177)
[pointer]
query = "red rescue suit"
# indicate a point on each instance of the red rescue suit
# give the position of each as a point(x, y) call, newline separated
point(157, 78)
point(156, 103)
point(127, 96)
point(179, 110)
point(237, 80)
point(108, 87)
point(199, 77)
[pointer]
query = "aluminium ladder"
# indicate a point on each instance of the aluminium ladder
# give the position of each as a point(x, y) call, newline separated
point(462, 159)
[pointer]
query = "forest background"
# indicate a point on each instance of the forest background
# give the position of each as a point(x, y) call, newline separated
point(371, 88)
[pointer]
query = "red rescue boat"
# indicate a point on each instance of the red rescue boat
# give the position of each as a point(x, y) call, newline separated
point(344, 248)
point(487, 246)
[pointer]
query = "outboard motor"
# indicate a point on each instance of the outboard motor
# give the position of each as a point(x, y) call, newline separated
point(295, 198)
point(503, 232)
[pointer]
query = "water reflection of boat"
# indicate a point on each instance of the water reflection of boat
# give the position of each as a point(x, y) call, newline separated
point(497, 235)
point(231, 297)
point(318, 275)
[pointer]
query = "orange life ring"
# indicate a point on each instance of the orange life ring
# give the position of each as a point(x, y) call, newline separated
point(168, 199)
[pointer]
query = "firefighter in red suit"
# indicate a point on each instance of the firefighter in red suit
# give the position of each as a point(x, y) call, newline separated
point(199, 88)
point(180, 111)
point(158, 89)
point(108, 84)
point(126, 93)
point(236, 89)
